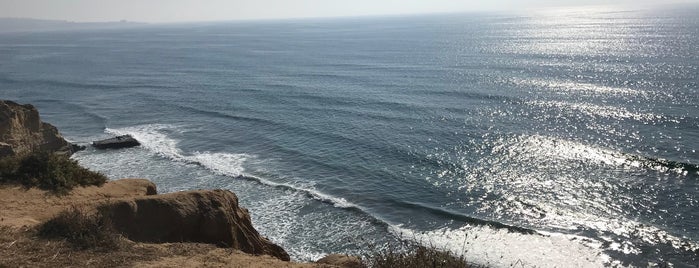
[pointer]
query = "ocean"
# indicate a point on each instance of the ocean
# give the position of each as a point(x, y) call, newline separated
point(562, 138)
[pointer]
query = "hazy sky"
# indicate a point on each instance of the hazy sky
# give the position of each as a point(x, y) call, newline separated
point(210, 10)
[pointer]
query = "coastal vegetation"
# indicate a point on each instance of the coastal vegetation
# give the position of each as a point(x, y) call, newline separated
point(418, 256)
point(49, 171)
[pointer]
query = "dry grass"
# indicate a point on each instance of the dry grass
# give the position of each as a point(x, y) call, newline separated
point(416, 256)
point(82, 229)
point(22, 248)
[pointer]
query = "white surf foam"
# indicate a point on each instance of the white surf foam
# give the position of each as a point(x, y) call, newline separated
point(153, 138)
point(336, 201)
point(499, 248)
point(222, 163)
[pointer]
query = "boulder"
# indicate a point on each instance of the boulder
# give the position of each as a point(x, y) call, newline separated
point(123, 141)
point(204, 216)
point(340, 260)
point(22, 131)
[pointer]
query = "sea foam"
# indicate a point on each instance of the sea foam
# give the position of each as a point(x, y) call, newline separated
point(499, 248)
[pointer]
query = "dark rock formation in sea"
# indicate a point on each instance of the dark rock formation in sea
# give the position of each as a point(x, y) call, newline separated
point(205, 216)
point(22, 131)
point(123, 141)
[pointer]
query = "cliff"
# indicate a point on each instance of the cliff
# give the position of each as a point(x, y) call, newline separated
point(159, 230)
point(205, 216)
point(22, 131)
point(203, 228)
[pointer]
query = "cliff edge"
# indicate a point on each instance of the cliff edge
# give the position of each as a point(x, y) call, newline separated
point(196, 228)
point(22, 131)
point(204, 216)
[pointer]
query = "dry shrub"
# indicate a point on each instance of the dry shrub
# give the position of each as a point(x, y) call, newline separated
point(82, 229)
point(49, 171)
point(417, 257)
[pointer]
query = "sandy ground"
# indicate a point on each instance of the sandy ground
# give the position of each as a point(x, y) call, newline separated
point(21, 248)
point(22, 209)
point(20, 206)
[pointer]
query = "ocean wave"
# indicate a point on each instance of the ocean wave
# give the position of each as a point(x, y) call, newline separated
point(566, 86)
point(468, 219)
point(551, 196)
point(551, 148)
point(219, 114)
point(495, 247)
point(488, 238)
point(594, 111)
point(154, 139)
point(82, 108)
point(76, 85)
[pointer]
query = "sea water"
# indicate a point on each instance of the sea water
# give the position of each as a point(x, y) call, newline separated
point(554, 138)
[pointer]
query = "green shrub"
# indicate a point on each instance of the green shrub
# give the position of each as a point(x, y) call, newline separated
point(417, 257)
point(8, 168)
point(82, 229)
point(48, 171)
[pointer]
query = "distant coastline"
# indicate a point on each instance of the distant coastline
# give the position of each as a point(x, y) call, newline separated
point(16, 25)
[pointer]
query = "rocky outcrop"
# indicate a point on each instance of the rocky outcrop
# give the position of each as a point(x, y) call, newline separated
point(21, 131)
point(205, 216)
point(340, 260)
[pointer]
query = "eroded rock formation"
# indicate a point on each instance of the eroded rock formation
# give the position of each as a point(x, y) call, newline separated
point(206, 216)
point(21, 131)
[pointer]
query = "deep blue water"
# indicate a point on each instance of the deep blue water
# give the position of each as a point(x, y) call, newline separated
point(559, 138)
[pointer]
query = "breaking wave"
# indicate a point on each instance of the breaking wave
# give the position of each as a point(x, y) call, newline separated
point(485, 237)
point(154, 138)
point(495, 247)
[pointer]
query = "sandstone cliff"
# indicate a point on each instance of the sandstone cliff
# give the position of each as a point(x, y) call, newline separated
point(21, 131)
point(205, 216)
point(21, 207)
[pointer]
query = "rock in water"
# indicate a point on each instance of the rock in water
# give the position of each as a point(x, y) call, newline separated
point(21, 131)
point(205, 216)
point(123, 141)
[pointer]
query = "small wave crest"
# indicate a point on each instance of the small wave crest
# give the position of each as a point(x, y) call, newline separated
point(468, 219)
point(223, 163)
point(567, 86)
point(551, 148)
point(595, 111)
point(309, 190)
